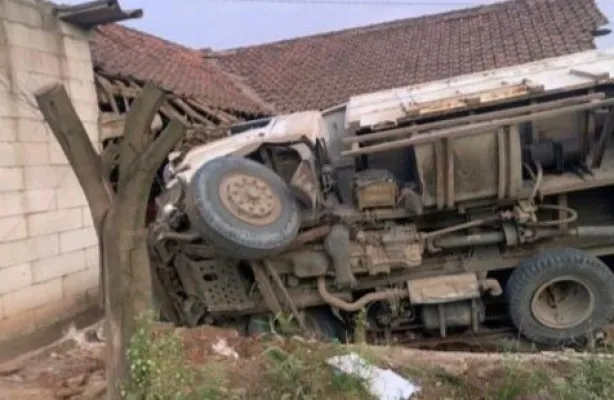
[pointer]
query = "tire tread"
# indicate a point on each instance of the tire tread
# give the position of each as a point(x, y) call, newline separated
point(529, 271)
point(229, 239)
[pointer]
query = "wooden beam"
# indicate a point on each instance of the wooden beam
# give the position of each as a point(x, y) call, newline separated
point(171, 113)
point(106, 87)
point(185, 107)
point(223, 116)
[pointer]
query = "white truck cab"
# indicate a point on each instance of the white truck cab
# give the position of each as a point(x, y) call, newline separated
point(280, 129)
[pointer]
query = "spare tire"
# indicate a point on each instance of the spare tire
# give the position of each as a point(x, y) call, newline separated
point(244, 208)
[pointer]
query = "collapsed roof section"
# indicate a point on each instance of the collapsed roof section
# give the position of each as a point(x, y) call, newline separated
point(121, 52)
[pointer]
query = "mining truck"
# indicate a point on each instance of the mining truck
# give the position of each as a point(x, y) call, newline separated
point(431, 210)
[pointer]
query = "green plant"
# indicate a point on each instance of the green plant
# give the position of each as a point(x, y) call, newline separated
point(518, 381)
point(591, 379)
point(360, 326)
point(159, 371)
point(303, 374)
point(286, 323)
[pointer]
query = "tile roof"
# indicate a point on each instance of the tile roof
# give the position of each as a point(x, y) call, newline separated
point(321, 71)
point(124, 52)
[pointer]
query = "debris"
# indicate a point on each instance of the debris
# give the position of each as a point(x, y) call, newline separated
point(67, 393)
point(76, 381)
point(95, 391)
point(383, 384)
point(14, 378)
point(221, 348)
point(85, 338)
point(95, 333)
point(7, 370)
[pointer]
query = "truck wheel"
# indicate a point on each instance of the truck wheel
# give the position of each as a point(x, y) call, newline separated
point(244, 208)
point(560, 296)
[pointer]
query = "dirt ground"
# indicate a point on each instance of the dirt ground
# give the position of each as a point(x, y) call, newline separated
point(74, 368)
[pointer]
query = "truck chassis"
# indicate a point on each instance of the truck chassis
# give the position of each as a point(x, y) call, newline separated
point(438, 208)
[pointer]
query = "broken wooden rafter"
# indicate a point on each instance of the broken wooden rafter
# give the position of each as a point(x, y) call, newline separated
point(190, 111)
point(185, 107)
point(224, 117)
point(105, 89)
point(170, 112)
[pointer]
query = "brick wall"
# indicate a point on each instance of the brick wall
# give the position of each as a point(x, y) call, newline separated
point(48, 252)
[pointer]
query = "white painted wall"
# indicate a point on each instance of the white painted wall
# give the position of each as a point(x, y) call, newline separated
point(48, 251)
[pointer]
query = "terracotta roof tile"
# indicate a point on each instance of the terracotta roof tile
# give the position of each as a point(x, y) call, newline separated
point(121, 51)
point(324, 70)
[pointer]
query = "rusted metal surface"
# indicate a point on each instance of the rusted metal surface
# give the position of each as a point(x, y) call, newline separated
point(309, 263)
point(266, 288)
point(287, 299)
point(215, 282)
point(337, 245)
point(605, 135)
point(379, 252)
point(360, 303)
point(478, 98)
point(442, 316)
point(309, 235)
point(376, 190)
point(566, 293)
point(443, 289)
point(305, 182)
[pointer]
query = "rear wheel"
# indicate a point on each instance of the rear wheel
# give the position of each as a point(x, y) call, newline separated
point(244, 208)
point(560, 296)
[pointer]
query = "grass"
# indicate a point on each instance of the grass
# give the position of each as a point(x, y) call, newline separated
point(302, 373)
point(159, 370)
point(296, 370)
point(518, 382)
point(590, 380)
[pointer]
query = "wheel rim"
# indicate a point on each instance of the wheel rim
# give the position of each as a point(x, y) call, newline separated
point(563, 303)
point(249, 198)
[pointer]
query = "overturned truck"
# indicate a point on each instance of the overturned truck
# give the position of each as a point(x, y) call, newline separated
point(434, 209)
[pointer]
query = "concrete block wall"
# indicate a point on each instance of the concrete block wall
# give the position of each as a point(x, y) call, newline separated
point(48, 246)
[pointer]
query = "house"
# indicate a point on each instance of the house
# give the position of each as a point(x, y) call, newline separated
point(321, 71)
point(48, 246)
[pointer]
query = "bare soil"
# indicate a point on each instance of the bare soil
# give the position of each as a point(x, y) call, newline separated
point(77, 373)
